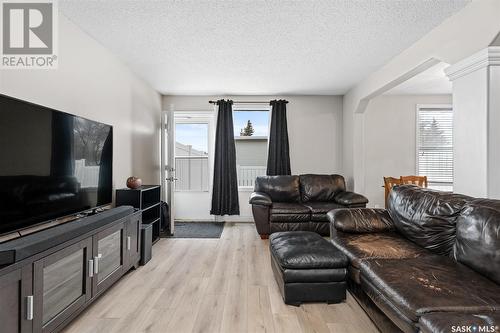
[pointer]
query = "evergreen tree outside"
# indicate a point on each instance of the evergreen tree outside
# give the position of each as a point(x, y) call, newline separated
point(433, 136)
point(248, 130)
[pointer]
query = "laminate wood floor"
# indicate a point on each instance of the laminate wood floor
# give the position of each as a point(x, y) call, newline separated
point(212, 285)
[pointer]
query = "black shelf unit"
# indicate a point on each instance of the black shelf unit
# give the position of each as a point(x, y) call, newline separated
point(147, 199)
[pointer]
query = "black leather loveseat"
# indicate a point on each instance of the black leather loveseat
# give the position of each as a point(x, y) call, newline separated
point(290, 203)
point(429, 262)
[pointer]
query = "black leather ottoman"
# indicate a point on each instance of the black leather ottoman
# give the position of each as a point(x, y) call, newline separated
point(308, 268)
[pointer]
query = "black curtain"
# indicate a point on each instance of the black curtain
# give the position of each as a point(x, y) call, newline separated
point(225, 187)
point(278, 159)
point(62, 161)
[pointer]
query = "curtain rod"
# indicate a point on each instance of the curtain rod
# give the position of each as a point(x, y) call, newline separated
point(243, 102)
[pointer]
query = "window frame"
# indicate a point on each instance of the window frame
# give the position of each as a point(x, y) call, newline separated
point(438, 107)
point(254, 107)
point(196, 117)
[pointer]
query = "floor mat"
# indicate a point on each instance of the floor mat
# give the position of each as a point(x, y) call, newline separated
point(198, 230)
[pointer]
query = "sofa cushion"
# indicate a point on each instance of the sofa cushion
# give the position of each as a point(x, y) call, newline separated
point(351, 199)
point(322, 207)
point(478, 237)
point(361, 220)
point(289, 208)
point(305, 250)
point(425, 216)
point(444, 322)
point(428, 284)
point(279, 188)
point(318, 227)
point(319, 210)
point(322, 217)
point(289, 212)
point(289, 218)
point(382, 245)
point(320, 187)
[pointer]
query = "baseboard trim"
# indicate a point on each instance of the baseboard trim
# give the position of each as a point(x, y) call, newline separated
point(246, 219)
point(234, 218)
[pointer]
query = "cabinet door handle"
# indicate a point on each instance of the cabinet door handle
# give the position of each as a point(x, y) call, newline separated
point(29, 307)
point(129, 239)
point(96, 263)
point(91, 268)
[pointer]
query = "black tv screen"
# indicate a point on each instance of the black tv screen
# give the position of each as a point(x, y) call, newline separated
point(52, 164)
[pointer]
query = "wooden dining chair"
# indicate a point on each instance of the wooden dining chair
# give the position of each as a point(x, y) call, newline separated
point(415, 180)
point(389, 182)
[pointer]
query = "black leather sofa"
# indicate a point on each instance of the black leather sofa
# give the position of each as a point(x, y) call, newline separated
point(293, 203)
point(429, 262)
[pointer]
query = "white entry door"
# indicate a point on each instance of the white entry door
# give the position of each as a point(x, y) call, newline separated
point(167, 164)
point(189, 168)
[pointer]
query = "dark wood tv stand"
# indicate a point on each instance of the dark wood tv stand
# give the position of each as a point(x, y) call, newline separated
point(49, 224)
point(83, 258)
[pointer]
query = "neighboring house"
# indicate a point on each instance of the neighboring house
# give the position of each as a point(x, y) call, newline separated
point(251, 158)
point(187, 150)
point(251, 150)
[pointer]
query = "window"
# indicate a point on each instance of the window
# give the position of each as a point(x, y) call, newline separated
point(251, 128)
point(191, 156)
point(435, 145)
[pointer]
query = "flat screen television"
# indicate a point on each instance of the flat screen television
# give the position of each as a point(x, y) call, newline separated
point(52, 164)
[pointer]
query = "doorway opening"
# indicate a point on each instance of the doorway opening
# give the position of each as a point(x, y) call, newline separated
point(187, 149)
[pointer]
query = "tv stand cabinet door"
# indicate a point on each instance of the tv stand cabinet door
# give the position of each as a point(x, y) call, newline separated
point(62, 285)
point(134, 240)
point(15, 288)
point(109, 248)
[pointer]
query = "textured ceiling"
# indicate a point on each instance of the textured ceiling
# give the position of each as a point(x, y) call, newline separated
point(257, 47)
point(431, 82)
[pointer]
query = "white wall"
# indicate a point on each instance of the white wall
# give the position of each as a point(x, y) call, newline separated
point(496, 41)
point(493, 132)
point(93, 83)
point(470, 134)
point(476, 83)
point(390, 139)
point(314, 130)
point(468, 31)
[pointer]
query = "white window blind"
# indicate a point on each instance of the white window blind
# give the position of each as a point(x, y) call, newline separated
point(435, 144)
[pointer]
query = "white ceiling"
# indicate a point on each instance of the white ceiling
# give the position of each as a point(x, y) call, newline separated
point(257, 47)
point(431, 82)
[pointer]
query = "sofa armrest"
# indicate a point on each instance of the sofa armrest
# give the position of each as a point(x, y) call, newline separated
point(350, 199)
point(260, 198)
point(361, 220)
